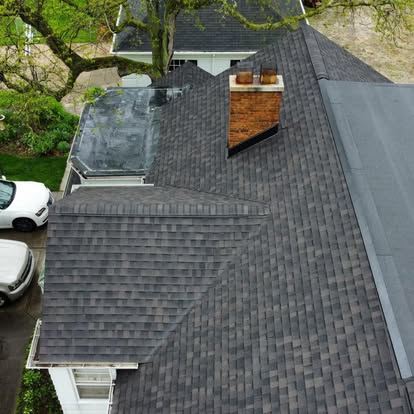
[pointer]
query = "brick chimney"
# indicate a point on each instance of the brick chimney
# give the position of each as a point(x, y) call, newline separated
point(254, 106)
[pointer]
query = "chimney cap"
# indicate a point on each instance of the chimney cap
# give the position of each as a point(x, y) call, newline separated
point(256, 86)
point(244, 74)
point(268, 74)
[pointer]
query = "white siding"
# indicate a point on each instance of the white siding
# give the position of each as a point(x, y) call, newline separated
point(66, 391)
point(213, 63)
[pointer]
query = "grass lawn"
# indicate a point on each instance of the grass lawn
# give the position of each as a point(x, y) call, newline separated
point(48, 170)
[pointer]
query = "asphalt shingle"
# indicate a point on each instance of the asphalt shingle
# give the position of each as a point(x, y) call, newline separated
point(187, 75)
point(273, 309)
point(208, 29)
point(336, 62)
point(295, 324)
point(124, 265)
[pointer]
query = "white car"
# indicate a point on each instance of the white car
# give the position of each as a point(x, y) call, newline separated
point(24, 205)
point(17, 267)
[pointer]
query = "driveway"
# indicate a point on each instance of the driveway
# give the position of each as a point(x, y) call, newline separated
point(17, 322)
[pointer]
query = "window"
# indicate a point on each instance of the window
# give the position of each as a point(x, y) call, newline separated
point(176, 63)
point(7, 191)
point(234, 62)
point(92, 383)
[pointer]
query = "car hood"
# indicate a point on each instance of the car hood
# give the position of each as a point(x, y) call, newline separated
point(13, 259)
point(30, 196)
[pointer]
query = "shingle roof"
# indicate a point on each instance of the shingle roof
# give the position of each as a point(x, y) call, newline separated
point(335, 63)
point(125, 265)
point(291, 320)
point(207, 30)
point(295, 324)
point(187, 75)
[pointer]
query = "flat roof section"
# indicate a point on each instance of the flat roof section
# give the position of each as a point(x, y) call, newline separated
point(119, 132)
point(373, 127)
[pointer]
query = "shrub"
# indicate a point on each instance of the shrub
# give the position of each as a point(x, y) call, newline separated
point(39, 144)
point(13, 127)
point(37, 394)
point(63, 147)
point(37, 121)
point(92, 94)
point(62, 133)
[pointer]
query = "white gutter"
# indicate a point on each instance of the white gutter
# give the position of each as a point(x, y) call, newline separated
point(33, 345)
point(31, 363)
point(177, 52)
point(111, 397)
point(80, 365)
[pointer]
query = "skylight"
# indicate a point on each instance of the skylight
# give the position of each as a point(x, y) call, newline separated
point(119, 133)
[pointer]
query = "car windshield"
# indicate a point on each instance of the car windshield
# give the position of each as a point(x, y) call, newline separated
point(7, 190)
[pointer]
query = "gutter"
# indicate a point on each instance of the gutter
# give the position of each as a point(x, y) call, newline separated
point(111, 397)
point(178, 52)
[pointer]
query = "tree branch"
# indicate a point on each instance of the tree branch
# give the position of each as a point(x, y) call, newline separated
point(125, 66)
point(56, 44)
point(231, 10)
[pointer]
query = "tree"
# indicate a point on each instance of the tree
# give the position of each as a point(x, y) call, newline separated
point(60, 23)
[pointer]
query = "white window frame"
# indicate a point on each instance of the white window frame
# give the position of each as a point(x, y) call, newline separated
point(110, 383)
point(176, 63)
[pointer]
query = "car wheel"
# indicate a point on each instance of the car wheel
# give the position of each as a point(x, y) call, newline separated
point(3, 300)
point(24, 224)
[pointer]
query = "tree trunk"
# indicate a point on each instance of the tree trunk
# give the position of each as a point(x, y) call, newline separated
point(161, 30)
point(170, 17)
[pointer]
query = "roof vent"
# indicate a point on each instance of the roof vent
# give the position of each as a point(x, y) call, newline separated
point(254, 106)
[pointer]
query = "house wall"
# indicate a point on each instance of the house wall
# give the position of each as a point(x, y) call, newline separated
point(212, 62)
point(66, 391)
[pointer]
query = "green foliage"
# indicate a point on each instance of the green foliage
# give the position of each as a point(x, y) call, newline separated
point(92, 94)
point(37, 394)
point(63, 147)
point(11, 31)
point(67, 22)
point(39, 144)
point(70, 23)
point(48, 170)
point(37, 121)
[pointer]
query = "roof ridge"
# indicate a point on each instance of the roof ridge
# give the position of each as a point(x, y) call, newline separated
point(315, 54)
point(159, 201)
point(229, 196)
point(234, 261)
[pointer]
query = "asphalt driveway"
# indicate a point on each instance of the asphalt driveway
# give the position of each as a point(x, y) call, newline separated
point(17, 322)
